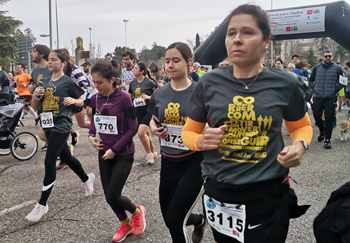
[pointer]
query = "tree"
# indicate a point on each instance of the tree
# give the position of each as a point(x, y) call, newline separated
point(8, 44)
point(341, 54)
point(108, 56)
point(119, 50)
point(311, 58)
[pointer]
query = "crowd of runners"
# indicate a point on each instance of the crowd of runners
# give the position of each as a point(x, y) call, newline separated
point(219, 131)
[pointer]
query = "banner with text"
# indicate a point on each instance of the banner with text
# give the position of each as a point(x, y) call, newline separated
point(297, 21)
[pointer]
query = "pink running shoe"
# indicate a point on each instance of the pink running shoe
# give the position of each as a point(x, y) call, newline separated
point(139, 221)
point(122, 232)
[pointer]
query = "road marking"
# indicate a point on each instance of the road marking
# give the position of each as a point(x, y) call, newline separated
point(19, 206)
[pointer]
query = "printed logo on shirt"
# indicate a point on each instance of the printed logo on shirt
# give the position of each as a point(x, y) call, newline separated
point(40, 76)
point(245, 131)
point(172, 115)
point(50, 102)
point(138, 93)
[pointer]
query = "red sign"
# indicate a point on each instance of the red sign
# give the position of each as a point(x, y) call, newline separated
point(288, 28)
point(309, 12)
point(120, 64)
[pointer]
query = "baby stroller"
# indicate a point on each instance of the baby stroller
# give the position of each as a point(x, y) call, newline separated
point(22, 146)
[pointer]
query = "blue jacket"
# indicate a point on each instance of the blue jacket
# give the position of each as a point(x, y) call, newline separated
point(324, 80)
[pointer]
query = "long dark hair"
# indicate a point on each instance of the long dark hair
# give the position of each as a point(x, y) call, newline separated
point(64, 56)
point(107, 70)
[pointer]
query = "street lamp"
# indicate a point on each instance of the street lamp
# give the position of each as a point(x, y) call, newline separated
point(90, 40)
point(271, 41)
point(125, 21)
point(50, 25)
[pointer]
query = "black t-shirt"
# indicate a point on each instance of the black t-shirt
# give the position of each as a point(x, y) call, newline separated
point(52, 101)
point(253, 139)
point(137, 89)
point(171, 106)
point(39, 73)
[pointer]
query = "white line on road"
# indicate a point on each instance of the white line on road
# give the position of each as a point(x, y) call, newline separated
point(19, 206)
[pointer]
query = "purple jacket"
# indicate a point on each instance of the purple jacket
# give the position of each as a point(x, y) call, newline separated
point(119, 105)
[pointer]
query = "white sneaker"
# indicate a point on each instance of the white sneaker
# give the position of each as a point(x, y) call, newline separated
point(150, 158)
point(89, 184)
point(38, 211)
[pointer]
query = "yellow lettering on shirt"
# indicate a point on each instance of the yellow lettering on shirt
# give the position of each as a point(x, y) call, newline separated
point(246, 133)
point(172, 115)
point(51, 102)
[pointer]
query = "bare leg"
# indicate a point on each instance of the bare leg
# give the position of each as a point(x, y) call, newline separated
point(81, 119)
point(144, 138)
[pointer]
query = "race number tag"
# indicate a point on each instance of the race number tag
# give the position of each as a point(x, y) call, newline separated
point(139, 102)
point(228, 219)
point(106, 124)
point(343, 80)
point(174, 138)
point(46, 120)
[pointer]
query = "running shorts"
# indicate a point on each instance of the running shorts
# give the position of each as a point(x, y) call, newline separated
point(266, 205)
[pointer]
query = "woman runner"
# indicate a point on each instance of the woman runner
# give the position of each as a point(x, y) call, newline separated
point(56, 99)
point(140, 90)
point(180, 175)
point(246, 164)
point(115, 121)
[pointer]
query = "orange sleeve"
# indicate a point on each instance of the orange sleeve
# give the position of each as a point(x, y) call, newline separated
point(300, 129)
point(191, 133)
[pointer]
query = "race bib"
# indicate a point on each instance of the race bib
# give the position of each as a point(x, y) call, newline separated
point(228, 219)
point(139, 102)
point(343, 80)
point(174, 138)
point(47, 120)
point(106, 124)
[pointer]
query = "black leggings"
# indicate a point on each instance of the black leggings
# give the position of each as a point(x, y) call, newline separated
point(328, 105)
point(114, 173)
point(57, 146)
point(179, 190)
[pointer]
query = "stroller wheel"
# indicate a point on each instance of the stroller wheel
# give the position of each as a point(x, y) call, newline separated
point(4, 152)
point(24, 146)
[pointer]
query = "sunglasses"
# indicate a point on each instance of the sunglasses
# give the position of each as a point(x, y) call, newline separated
point(328, 56)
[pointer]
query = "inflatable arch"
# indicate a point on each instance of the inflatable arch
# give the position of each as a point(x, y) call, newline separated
point(324, 20)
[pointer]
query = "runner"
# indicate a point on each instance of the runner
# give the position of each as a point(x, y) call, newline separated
point(116, 124)
point(22, 81)
point(79, 113)
point(180, 175)
point(40, 55)
point(56, 98)
point(141, 89)
point(246, 164)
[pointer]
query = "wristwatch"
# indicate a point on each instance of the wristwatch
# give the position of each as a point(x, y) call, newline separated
point(306, 146)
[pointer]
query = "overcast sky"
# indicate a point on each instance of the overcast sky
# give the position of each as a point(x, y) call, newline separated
point(160, 21)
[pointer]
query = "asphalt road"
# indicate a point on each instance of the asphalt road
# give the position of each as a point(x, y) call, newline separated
point(72, 217)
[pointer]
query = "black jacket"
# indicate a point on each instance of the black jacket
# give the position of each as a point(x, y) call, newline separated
point(332, 225)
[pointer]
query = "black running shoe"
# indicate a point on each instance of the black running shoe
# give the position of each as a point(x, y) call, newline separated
point(321, 137)
point(327, 144)
point(37, 120)
point(44, 148)
point(61, 166)
point(75, 137)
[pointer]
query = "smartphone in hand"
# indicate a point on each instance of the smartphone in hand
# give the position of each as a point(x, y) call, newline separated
point(157, 122)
